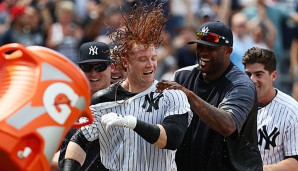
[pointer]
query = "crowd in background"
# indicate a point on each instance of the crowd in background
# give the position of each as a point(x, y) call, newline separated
point(64, 25)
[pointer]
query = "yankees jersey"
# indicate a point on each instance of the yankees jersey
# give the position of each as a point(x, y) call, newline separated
point(204, 149)
point(278, 129)
point(121, 148)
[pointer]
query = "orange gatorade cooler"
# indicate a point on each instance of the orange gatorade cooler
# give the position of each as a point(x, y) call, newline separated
point(42, 95)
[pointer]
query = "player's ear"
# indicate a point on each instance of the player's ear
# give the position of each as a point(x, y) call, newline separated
point(113, 67)
point(124, 62)
point(274, 75)
point(229, 50)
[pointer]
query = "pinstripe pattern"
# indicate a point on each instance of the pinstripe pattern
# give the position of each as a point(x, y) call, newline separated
point(123, 149)
point(278, 121)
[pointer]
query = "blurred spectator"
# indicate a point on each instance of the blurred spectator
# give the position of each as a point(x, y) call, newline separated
point(43, 7)
point(185, 55)
point(262, 30)
point(233, 5)
point(275, 14)
point(114, 13)
point(226, 9)
point(287, 4)
point(294, 61)
point(294, 65)
point(166, 61)
point(242, 38)
point(278, 15)
point(65, 35)
point(81, 9)
point(94, 21)
point(182, 13)
point(25, 27)
point(5, 8)
point(205, 14)
point(259, 37)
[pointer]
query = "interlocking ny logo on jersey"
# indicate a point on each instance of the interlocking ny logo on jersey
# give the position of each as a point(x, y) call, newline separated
point(270, 139)
point(93, 50)
point(153, 102)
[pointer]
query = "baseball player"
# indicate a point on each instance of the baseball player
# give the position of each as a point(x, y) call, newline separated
point(95, 61)
point(118, 72)
point(138, 128)
point(277, 114)
point(222, 135)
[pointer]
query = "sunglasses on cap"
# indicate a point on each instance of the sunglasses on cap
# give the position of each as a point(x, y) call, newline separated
point(98, 67)
point(210, 37)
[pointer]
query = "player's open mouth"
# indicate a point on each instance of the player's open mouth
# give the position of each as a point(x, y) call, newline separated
point(205, 59)
point(93, 80)
point(116, 77)
point(148, 72)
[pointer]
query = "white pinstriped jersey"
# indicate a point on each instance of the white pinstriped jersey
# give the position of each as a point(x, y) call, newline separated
point(278, 129)
point(122, 148)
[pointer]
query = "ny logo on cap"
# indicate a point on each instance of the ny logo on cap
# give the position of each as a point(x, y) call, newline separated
point(93, 50)
point(205, 29)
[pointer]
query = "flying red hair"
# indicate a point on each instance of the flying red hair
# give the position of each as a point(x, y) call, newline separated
point(143, 26)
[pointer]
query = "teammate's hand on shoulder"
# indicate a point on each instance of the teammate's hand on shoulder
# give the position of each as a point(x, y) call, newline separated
point(114, 119)
point(170, 85)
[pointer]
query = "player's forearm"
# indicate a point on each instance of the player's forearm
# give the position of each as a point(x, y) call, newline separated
point(75, 152)
point(54, 164)
point(167, 135)
point(150, 133)
point(162, 140)
point(219, 120)
point(289, 164)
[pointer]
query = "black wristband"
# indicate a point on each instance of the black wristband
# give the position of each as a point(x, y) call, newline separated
point(149, 132)
point(71, 165)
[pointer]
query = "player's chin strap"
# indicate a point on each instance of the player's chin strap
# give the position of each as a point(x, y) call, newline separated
point(71, 165)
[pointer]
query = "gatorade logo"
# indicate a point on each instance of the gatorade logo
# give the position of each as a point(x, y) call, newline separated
point(58, 99)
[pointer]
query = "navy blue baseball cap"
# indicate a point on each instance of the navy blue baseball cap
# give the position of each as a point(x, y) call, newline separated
point(214, 33)
point(94, 52)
